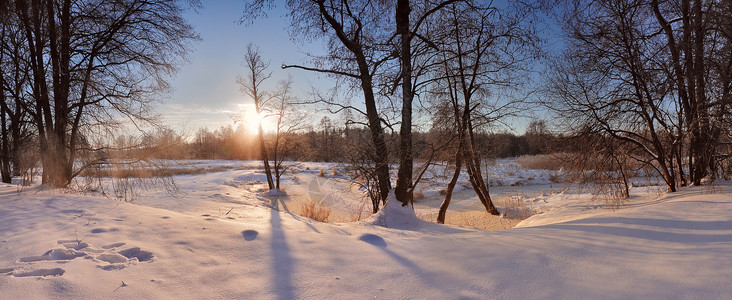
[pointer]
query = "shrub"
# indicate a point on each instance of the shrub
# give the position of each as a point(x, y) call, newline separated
point(316, 211)
point(541, 162)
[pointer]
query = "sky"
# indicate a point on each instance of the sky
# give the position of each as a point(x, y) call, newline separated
point(205, 91)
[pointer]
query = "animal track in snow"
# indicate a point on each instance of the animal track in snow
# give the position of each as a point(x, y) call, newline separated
point(136, 253)
point(76, 245)
point(115, 245)
point(42, 272)
point(54, 254)
point(112, 258)
point(109, 257)
point(102, 230)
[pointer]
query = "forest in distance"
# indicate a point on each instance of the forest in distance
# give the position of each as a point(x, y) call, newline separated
point(412, 149)
point(324, 142)
point(638, 84)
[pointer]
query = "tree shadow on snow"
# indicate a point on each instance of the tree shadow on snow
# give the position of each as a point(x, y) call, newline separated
point(663, 223)
point(277, 202)
point(282, 264)
point(654, 235)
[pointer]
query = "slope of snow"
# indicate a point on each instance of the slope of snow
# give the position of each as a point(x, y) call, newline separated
point(220, 239)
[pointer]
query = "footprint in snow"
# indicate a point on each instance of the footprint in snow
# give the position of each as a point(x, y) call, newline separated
point(76, 245)
point(115, 245)
point(42, 272)
point(54, 254)
point(373, 240)
point(249, 235)
point(102, 230)
point(110, 257)
point(135, 252)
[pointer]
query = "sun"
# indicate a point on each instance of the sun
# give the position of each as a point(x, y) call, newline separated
point(250, 119)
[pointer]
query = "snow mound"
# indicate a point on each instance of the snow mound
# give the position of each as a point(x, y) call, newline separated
point(394, 215)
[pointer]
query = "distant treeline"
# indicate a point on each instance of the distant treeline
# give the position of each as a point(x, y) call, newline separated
point(328, 143)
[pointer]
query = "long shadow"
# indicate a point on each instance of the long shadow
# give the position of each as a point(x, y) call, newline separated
point(664, 223)
point(277, 202)
point(654, 235)
point(276, 206)
point(282, 264)
point(427, 277)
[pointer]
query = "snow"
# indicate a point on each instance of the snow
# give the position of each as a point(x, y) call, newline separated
point(395, 215)
point(220, 239)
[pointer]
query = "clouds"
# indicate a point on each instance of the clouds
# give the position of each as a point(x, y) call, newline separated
point(193, 116)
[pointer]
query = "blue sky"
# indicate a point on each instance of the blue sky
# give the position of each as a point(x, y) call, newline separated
point(205, 89)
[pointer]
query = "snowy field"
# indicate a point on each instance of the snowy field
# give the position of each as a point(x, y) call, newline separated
point(220, 238)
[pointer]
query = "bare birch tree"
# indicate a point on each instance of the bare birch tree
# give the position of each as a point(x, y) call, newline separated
point(251, 85)
point(287, 121)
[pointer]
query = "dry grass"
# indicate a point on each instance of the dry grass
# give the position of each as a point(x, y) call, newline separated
point(477, 219)
point(316, 211)
point(515, 208)
point(541, 162)
point(557, 178)
point(418, 195)
point(358, 214)
point(148, 172)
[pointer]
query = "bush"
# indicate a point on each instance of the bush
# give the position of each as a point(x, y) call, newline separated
point(541, 162)
point(316, 211)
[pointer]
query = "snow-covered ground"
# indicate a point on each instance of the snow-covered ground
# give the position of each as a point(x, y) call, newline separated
point(219, 238)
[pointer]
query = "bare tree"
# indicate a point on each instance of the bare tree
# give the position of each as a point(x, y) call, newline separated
point(650, 74)
point(92, 62)
point(287, 120)
point(251, 85)
point(13, 86)
point(611, 78)
point(482, 51)
point(355, 31)
point(407, 29)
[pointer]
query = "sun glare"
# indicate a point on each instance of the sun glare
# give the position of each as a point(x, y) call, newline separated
point(250, 119)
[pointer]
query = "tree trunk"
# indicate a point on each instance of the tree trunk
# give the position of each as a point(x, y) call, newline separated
point(5, 147)
point(355, 46)
point(377, 132)
point(703, 143)
point(263, 153)
point(403, 188)
point(450, 187)
point(472, 164)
